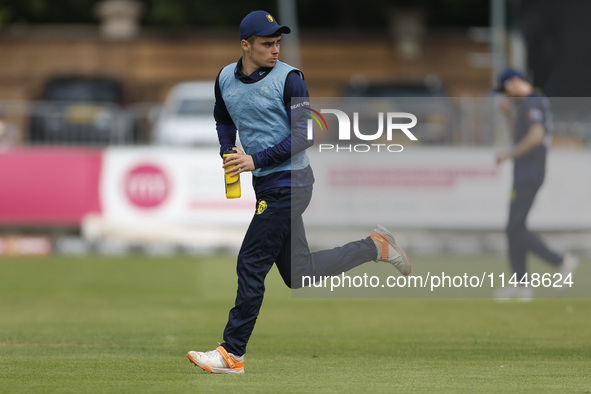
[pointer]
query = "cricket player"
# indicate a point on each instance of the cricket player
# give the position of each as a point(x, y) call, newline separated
point(531, 131)
point(254, 97)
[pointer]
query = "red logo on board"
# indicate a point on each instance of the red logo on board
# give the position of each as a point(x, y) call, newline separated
point(146, 186)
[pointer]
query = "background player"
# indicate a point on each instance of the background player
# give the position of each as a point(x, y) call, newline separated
point(531, 130)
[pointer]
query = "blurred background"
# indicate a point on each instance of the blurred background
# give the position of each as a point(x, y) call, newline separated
point(107, 139)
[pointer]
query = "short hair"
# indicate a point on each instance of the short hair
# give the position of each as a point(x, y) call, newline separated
point(252, 38)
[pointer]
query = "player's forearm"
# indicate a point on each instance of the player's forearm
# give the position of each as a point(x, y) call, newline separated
point(533, 139)
point(273, 155)
point(283, 151)
point(226, 136)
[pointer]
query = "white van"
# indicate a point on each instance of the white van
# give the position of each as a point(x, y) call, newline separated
point(186, 117)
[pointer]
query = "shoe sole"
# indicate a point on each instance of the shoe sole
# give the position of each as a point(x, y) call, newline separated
point(214, 370)
point(386, 233)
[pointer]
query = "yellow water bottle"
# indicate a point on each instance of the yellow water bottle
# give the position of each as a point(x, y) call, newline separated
point(232, 182)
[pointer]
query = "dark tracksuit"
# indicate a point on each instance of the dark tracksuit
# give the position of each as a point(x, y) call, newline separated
point(528, 176)
point(276, 233)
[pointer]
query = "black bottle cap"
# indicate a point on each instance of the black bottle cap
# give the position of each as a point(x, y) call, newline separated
point(228, 151)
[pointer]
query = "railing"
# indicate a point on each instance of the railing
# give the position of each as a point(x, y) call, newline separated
point(75, 123)
point(463, 121)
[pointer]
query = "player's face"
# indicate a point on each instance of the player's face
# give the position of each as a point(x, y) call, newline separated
point(517, 87)
point(264, 51)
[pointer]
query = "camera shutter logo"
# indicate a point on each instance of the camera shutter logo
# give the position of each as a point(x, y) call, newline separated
point(345, 125)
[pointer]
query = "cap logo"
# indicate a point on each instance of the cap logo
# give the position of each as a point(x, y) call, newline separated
point(270, 18)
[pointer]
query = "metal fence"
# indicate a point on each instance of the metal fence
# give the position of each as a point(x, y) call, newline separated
point(75, 123)
point(464, 121)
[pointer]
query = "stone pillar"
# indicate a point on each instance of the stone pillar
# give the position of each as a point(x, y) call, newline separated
point(119, 18)
point(407, 28)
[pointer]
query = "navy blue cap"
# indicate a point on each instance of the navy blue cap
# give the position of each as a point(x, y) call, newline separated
point(507, 74)
point(262, 24)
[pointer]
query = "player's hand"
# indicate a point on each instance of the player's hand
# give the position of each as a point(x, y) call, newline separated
point(241, 161)
point(502, 156)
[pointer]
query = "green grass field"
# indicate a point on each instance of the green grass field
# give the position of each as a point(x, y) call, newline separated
point(125, 324)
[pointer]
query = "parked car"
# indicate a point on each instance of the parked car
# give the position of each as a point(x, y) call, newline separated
point(426, 98)
point(76, 109)
point(186, 117)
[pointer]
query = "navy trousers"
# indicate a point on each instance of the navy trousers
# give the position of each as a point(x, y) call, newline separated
point(276, 235)
point(520, 239)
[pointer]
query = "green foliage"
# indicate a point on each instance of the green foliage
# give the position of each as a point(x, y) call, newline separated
point(55, 11)
point(370, 14)
point(5, 15)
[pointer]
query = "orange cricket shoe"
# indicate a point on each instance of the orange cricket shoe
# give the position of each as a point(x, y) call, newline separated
point(217, 361)
point(389, 251)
